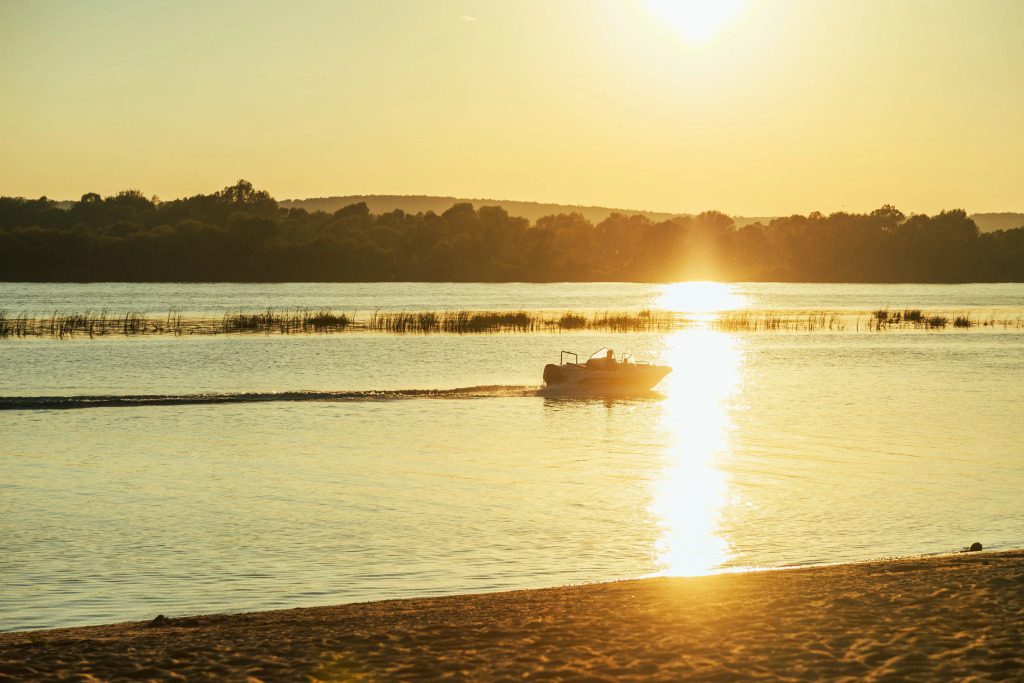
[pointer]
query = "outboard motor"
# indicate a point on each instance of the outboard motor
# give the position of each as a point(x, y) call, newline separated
point(552, 373)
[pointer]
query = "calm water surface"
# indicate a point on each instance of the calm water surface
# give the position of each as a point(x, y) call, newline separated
point(762, 450)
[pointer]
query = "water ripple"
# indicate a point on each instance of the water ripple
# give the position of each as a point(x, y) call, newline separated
point(108, 401)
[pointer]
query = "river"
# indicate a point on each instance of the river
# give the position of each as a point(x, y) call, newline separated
point(761, 449)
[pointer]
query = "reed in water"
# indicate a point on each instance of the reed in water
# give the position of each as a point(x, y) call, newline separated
point(477, 322)
point(322, 321)
point(297, 321)
point(769, 321)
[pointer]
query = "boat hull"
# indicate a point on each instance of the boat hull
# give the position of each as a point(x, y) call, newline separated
point(626, 378)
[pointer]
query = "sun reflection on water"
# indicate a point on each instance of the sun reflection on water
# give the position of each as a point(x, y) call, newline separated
point(700, 297)
point(690, 495)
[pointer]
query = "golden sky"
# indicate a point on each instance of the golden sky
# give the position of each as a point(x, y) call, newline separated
point(750, 107)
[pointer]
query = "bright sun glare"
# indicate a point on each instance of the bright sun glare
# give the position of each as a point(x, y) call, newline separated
point(697, 21)
point(699, 298)
point(692, 492)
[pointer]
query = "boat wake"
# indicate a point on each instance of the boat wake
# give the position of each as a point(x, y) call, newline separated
point(110, 401)
point(570, 391)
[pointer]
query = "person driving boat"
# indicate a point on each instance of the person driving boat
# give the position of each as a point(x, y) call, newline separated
point(606, 362)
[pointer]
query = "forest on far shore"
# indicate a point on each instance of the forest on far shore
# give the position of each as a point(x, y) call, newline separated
point(240, 234)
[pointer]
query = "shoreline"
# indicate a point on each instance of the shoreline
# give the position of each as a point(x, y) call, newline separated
point(931, 617)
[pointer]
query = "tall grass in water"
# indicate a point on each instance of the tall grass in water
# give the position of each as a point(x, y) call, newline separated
point(825, 321)
point(644, 321)
point(883, 319)
point(746, 321)
point(771, 321)
point(285, 322)
point(572, 321)
point(455, 322)
point(13, 327)
point(174, 322)
point(250, 322)
point(462, 322)
point(402, 322)
point(60, 325)
point(481, 322)
point(736, 321)
point(94, 324)
point(913, 318)
point(322, 320)
point(133, 323)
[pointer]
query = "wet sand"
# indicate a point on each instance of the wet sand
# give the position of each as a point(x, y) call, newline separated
point(936, 618)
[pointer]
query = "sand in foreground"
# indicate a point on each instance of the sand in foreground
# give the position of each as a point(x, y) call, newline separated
point(937, 618)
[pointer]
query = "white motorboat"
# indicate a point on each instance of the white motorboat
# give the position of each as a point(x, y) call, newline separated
point(602, 371)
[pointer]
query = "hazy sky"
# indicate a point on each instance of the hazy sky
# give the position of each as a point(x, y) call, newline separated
point(753, 108)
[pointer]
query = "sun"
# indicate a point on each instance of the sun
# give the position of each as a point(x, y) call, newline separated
point(697, 22)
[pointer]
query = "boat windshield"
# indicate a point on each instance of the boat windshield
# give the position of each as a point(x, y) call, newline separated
point(601, 353)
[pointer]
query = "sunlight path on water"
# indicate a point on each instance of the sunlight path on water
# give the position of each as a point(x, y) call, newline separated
point(691, 492)
point(701, 300)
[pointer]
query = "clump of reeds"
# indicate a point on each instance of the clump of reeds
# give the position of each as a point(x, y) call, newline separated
point(821, 320)
point(174, 322)
point(464, 322)
point(775, 321)
point(453, 322)
point(644, 321)
point(745, 321)
point(13, 327)
point(479, 322)
point(94, 324)
point(250, 322)
point(884, 319)
point(402, 322)
point(60, 325)
point(132, 323)
point(572, 321)
point(323, 320)
point(772, 321)
point(736, 321)
point(297, 321)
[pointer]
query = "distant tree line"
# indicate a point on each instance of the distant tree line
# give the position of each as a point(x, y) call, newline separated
point(239, 234)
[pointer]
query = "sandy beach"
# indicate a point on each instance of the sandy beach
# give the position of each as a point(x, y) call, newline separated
point(936, 618)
